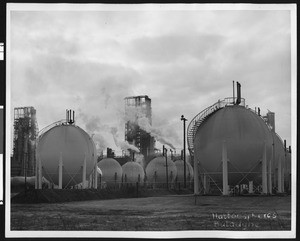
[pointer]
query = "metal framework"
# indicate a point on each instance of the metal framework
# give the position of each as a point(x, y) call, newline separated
point(24, 141)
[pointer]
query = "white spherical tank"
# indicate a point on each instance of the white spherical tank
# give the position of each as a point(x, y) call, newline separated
point(111, 170)
point(133, 172)
point(70, 144)
point(156, 170)
point(180, 171)
point(244, 133)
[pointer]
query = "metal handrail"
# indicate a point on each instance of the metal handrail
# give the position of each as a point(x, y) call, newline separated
point(45, 129)
point(198, 119)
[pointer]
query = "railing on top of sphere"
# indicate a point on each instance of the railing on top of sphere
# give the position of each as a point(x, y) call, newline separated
point(199, 118)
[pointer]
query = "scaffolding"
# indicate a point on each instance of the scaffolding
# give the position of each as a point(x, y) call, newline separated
point(24, 141)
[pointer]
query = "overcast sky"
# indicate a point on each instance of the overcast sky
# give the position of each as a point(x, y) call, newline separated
point(184, 60)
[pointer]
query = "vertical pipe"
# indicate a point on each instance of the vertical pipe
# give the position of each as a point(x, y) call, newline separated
point(196, 178)
point(167, 173)
point(40, 173)
point(60, 167)
point(84, 172)
point(225, 168)
point(264, 169)
point(36, 173)
point(184, 150)
point(233, 91)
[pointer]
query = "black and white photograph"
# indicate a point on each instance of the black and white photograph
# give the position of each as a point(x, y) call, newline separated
point(150, 120)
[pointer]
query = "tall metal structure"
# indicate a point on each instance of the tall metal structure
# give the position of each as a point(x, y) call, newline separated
point(25, 134)
point(139, 107)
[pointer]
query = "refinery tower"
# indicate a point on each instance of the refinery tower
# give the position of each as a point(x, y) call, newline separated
point(137, 108)
point(25, 134)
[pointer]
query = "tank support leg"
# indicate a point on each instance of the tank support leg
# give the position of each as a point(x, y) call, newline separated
point(196, 177)
point(270, 171)
point(95, 175)
point(60, 166)
point(84, 172)
point(225, 168)
point(264, 170)
point(250, 187)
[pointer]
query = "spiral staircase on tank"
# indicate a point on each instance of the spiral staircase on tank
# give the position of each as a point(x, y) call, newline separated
point(202, 116)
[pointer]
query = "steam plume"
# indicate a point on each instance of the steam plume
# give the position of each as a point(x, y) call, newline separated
point(124, 145)
point(136, 115)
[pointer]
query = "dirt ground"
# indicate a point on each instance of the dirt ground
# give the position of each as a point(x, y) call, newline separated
point(167, 213)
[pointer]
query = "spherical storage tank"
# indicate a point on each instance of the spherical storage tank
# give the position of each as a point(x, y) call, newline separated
point(72, 145)
point(180, 171)
point(156, 170)
point(244, 133)
point(133, 172)
point(111, 170)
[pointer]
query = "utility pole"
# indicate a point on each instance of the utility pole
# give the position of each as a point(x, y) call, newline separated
point(184, 160)
point(165, 154)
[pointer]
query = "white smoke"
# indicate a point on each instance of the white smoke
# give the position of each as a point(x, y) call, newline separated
point(140, 159)
point(106, 96)
point(136, 115)
point(94, 127)
point(124, 145)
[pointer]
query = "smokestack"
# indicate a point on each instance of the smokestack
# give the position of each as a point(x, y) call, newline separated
point(285, 145)
point(271, 119)
point(238, 98)
point(233, 90)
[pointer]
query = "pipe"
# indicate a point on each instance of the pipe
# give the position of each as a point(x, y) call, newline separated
point(233, 91)
point(40, 174)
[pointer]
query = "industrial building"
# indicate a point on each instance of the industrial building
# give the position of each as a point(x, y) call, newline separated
point(25, 134)
point(140, 106)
